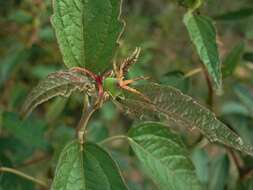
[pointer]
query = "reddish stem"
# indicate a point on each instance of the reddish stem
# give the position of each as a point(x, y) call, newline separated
point(97, 78)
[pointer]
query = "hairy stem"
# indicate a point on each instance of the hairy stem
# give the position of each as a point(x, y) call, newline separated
point(110, 139)
point(193, 72)
point(23, 175)
point(88, 110)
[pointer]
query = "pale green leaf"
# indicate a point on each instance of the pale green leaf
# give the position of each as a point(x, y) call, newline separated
point(164, 157)
point(201, 163)
point(219, 172)
point(55, 109)
point(230, 108)
point(61, 83)
point(91, 169)
point(87, 31)
point(245, 95)
point(203, 35)
point(169, 103)
point(232, 59)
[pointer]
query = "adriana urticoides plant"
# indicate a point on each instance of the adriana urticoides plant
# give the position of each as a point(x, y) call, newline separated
point(88, 33)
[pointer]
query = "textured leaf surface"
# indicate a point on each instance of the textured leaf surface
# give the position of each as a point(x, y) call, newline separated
point(92, 169)
point(232, 60)
point(170, 104)
point(61, 83)
point(87, 31)
point(203, 35)
point(164, 157)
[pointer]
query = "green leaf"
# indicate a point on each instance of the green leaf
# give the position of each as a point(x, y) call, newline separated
point(91, 169)
point(97, 131)
point(16, 56)
point(219, 173)
point(61, 83)
point(177, 80)
point(230, 108)
point(232, 59)
point(87, 31)
point(164, 156)
point(248, 56)
point(20, 17)
point(245, 95)
point(30, 131)
point(200, 160)
point(235, 15)
point(17, 150)
point(11, 181)
point(55, 109)
point(168, 103)
point(203, 35)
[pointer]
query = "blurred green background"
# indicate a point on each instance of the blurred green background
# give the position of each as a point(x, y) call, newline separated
point(29, 52)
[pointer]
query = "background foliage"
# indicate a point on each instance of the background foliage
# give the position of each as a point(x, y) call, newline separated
point(29, 52)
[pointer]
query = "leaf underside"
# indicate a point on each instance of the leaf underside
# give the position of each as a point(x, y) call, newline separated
point(168, 103)
point(87, 31)
point(164, 157)
point(91, 169)
point(203, 35)
point(61, 83)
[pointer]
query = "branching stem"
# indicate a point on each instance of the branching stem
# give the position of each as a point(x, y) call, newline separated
point(23, 175)
point(88, 110)
point(193, 72)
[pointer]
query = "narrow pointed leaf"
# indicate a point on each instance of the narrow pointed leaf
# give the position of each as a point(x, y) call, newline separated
point(203, 35)
point(232, 60)
point(235, 15)
point(87, 31)
point(169, 103)
point(61, 83)
point(91, 169)
point(164, 157)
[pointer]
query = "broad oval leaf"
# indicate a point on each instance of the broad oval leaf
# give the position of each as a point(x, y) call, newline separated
point(61, 83)
point(164, 156)
point(170, 104)
point(203, 35)
point(87, 31)
point(91, 169)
